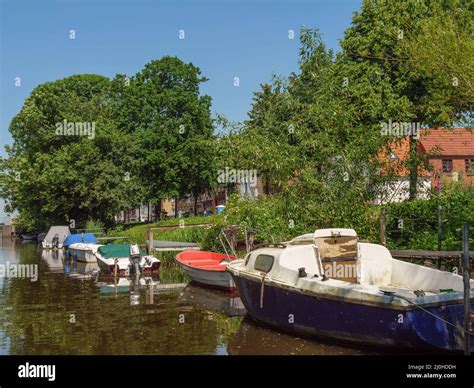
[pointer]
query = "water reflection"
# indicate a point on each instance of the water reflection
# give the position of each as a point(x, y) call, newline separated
point(252, 338)
point(54, 260)
point(65, 314)
point(223, 302)
point(112, 286)
point(74, 309)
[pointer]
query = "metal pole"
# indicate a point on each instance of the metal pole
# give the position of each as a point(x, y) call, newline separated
point(383, 228)
point(440, 233)
point(466, 274)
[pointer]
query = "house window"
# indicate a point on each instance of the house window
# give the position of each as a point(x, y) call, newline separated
point(469, 163)
point(447, 165)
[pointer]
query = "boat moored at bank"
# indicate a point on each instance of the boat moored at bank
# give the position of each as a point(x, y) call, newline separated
point(332, 286)
point(207, 268)
point(55, 237)
point(83, 252)
point(123, 259)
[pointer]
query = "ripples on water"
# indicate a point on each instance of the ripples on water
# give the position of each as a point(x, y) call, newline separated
point(72, 309)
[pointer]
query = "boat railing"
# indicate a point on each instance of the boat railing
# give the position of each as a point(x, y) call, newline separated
point(271, 245)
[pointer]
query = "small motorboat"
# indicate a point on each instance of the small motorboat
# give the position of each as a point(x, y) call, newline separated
point(55, 237)
point(83, 252)
point(207, 268)
point(333, 286)
point(124, 259)
point(76, 238)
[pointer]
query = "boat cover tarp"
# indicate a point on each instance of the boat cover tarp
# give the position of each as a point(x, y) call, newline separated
point(87, 238)
point(110, 251)
point(61, 231)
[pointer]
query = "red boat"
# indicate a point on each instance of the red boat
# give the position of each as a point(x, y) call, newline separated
point(207, 268)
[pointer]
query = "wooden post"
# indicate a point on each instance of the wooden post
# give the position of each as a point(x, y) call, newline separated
point(383, 228)
point(150, 241)
point(440, 233)
point(250, 240)
point(466, 274)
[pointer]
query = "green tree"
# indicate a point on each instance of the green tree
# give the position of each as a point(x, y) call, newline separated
point(375, 42)
point(442, 51)
point(172, 126)
point(52, 173)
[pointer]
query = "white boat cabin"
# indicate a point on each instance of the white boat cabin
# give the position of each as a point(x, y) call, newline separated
point(335, 257)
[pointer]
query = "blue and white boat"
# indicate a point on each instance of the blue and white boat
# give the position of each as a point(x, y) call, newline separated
point(330, 285)
point(86, 238)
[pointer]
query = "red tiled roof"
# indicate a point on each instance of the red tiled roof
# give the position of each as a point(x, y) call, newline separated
point(448, 142)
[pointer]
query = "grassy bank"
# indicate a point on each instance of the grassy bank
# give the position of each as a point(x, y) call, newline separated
point(137, 233)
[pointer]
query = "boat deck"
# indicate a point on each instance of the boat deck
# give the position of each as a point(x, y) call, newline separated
point(402, 291)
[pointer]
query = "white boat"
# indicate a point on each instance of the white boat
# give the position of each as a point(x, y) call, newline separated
point(84, 252)
point(123, 259)
point(207, 268)
point(330, 285)
point(55, 237)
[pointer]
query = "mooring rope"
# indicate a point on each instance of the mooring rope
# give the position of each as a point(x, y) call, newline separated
point(434, 315)
point(262, 287)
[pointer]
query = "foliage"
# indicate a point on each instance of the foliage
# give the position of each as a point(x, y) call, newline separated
point(414, 224)
point(442, 51)
point(94, 226)
point(172, 126)
point(52, 178)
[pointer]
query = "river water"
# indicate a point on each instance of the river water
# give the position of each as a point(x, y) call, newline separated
point(72, 309)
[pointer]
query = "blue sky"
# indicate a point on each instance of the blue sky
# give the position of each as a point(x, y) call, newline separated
point(226, 39)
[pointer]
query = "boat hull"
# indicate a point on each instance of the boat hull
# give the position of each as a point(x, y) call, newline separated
point(215, 279)
point(292, 310)
point(83, 253)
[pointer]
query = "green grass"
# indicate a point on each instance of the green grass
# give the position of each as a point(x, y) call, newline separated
point(137, 234)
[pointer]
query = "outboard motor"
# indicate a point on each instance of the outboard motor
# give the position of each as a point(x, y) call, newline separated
point(135, 258)
point(55, 242)
point(135, 290)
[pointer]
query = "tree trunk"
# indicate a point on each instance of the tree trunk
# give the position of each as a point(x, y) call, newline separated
point(176, 207)
point(158, 209)
point(195, 204)
point(213, 201)
point(413, 167)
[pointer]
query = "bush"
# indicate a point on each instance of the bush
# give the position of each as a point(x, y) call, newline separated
point(414, 224)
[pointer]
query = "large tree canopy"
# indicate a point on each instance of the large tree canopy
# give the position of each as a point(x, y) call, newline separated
point(172, 125)
point(151, 138)
point(53, 176)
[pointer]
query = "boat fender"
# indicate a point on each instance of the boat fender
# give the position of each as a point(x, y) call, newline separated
point(302, 273)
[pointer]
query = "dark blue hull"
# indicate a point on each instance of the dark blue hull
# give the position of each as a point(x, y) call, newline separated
point(378, 325)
